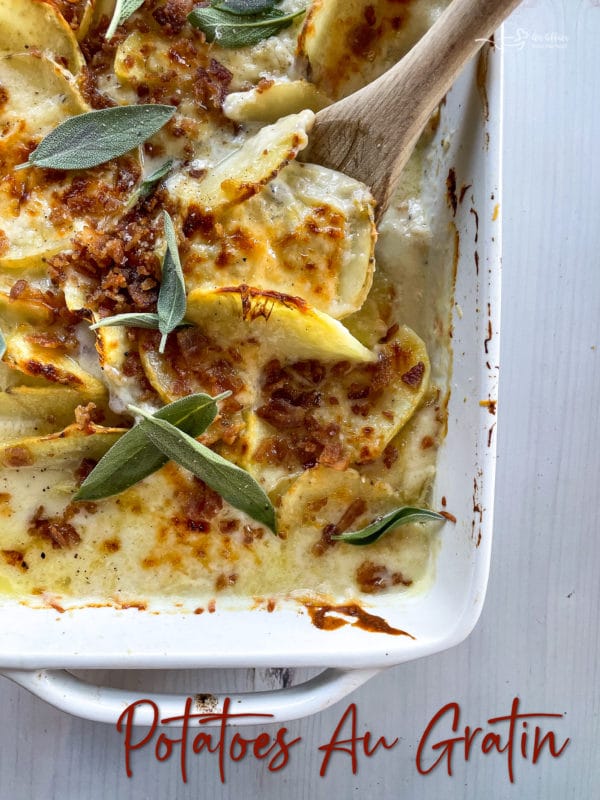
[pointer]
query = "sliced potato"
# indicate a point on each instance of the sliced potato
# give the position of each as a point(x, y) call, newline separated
point(323, 500)
point(29, 410)
point(409, 462)
point(305, 391)
point(30, 24)
point(101, 9)
point(28, 310)
point(281, 326)
point(310, 232)
point(69, 446)
point(39, 97)
point(144, 58)
point(53, 366)
point(334, 415)
point(150, 61)
point(270, 101)
point(79, 14)
point(85, 22)
point(247, 170)
point(238, 329)
point(370, 36)
point(249, 452)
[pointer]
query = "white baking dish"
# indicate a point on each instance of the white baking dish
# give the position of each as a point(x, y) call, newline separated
point(37, 643)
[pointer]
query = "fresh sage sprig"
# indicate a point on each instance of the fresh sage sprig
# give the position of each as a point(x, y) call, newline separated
point(133, 457)
point(381, 526)
point(231, 29)
point(96, 137)
point(245, 7)
point(2, 345)
point(148, 184)
point(234, 484)
point(172, 299)
point(123, 10)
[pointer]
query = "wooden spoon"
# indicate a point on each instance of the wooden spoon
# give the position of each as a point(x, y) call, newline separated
point(370, 134)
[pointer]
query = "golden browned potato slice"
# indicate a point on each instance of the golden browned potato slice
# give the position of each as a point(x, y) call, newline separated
point(34, 25)
point(346, 44)
point(277, 326)
point(85, 22)
point(143, 58)
point(310, 232)
point(408, 462)
point(20, 310)
point(33, 410)
point(38, 97)
point(147, 62)
point(336, 415)
point(79, 14)
point(304, 391)
point(323, 502)
point(247, 170)
point(68, 446)
point(28, 357)
point(270, 101)
point(244, 328)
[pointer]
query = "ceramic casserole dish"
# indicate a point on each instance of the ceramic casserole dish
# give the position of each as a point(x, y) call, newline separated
point(39, 646)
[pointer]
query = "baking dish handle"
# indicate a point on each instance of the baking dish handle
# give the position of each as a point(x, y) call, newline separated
point(65, 691)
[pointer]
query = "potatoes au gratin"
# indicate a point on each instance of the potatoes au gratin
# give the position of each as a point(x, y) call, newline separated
point(325, 340)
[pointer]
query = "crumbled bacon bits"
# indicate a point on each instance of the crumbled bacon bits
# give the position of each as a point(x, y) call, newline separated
point(84, 469)
point(172, 16)
point(351, 514)
point(212, 85)
point(87, 416)
point(122, 263)
point(414, 376)
point(373, 578)
point(57, 530)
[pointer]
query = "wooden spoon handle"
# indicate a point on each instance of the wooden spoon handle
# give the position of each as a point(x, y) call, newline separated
point(371, 134)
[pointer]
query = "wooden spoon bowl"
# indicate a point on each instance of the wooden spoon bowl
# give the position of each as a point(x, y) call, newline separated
point(371, 134)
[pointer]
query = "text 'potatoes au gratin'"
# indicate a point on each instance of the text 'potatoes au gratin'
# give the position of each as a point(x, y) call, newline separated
point(218, 378)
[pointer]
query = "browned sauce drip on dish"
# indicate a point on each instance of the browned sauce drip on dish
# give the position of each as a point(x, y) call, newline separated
point(320, 618)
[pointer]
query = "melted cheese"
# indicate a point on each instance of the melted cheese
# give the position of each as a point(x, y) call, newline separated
point(338, 370)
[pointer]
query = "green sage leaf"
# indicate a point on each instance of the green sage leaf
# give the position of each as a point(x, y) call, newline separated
point(148, 321)
point(234, 484)
point(148, 184)
point(245, 7)
point(96, 137)
point(123, 10)
point(134, 457)
point(2, 345)
point(374, 531)
point(172, 301)
point(233, 30)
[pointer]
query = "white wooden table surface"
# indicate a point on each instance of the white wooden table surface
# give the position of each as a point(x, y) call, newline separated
point(538, 637)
